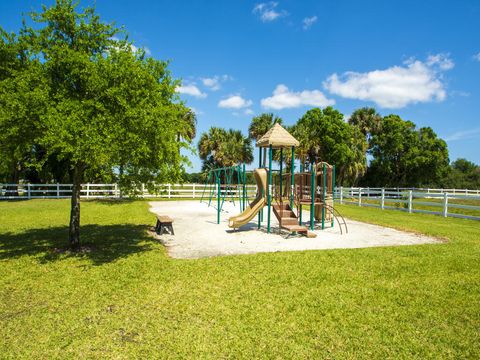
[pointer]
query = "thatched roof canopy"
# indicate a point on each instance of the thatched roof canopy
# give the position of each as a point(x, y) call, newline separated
point(278, 137)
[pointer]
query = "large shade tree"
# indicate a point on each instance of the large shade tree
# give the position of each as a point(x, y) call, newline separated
point(107, 105)
point(463, 174)
point(325, 136)
point(406, 156)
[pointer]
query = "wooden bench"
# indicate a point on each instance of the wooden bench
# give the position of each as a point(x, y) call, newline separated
point(164, 224)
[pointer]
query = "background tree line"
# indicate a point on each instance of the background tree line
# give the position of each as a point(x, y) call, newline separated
point(368, 149)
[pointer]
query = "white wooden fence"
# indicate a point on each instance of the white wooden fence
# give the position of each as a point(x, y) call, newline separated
point(444, 202)
point(463, 203)
point(98, 191)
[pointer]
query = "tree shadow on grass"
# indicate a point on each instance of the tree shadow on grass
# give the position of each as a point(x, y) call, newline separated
point(112, 201)
point(99, 243)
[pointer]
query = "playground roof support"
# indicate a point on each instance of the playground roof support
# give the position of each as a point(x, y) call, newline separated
point(276, 138)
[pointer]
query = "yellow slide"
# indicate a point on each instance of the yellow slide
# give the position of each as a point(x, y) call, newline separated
point(256, 205)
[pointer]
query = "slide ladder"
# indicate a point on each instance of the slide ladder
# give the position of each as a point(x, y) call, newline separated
point(289, 221)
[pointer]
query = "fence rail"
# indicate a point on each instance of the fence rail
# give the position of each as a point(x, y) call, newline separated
point(98, 191)
point(460, 203)
point(463, 203)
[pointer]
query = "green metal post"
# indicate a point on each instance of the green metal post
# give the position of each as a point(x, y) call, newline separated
point(301, 171)
point(292, 177)
point(260, 213)
point(324, 200)
point(212, 189)
point(239, 186)
point(226, 186)
point(269, 185)
point(218, 200)
point(333, 192)
point(281, 181)
point(244, 178)
point(312, 194)
point(207, 182)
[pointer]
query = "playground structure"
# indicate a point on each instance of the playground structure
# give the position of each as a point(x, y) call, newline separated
point(226, 183)
point(280, 192)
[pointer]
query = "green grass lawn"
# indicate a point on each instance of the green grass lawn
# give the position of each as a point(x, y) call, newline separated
point(126, 299)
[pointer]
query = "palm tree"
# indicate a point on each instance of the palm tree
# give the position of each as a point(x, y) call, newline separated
point(357, 166)
point(223, 148)
point(187, 125)
point(368, 120)
point(305, 132)
point(260, 125)
point(236, 149)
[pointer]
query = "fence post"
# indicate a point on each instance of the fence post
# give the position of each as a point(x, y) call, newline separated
point(359, 196)
point(58, 191)
point(169, 190)
point(115, 191)
point(88, 190)
point(445, 204)
point(29, 195)
point(143, 190)
point(341, 194)
point(410, 201)
point(382, 201)
point(368, 192)
point(194, 191)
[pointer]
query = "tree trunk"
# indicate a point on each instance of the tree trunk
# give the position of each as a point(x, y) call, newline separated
point(14, 179)
point(74, 232)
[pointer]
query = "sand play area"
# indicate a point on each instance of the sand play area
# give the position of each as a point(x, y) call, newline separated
point(198, 235)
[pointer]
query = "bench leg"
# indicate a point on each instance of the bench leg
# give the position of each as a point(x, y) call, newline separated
point(162, 228)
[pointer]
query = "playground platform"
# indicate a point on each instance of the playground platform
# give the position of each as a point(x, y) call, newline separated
point(198, 235)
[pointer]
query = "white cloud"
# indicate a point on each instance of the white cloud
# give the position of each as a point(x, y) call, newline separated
point(309, 21)
point(476, 57)
point(283, 98)
point(268, 11)
point(234, 102)
point(443, 61)
point(248, 112)
point(464, 134)
point(192, 90)
point(214, 83)
point(397, 86)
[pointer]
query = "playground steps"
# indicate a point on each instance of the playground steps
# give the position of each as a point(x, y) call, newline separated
point(289, 221)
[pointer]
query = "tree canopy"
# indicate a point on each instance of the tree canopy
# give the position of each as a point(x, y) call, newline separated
point(221, 148)
point(406, 156)
point(83, 96)
point(325, 136)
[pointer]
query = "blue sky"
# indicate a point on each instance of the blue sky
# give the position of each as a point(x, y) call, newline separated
point(418, 59)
